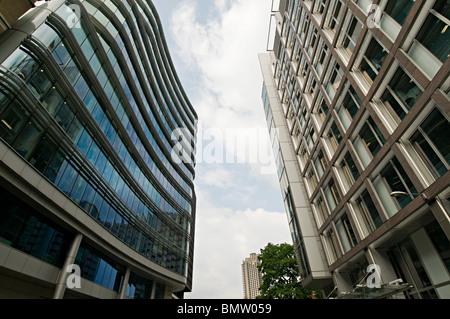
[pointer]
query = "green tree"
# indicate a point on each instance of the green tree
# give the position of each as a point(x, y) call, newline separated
point(280, 274)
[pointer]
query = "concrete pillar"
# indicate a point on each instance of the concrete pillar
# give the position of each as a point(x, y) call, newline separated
point(70, 259)
point(152, 295)
point(126, 278)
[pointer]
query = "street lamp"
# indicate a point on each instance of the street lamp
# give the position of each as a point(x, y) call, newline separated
point(398, 194)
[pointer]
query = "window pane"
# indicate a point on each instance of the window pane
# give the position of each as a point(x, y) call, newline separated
point(399, 9)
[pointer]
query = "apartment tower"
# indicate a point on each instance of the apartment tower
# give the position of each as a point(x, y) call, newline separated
point(95, 204)
point(251, 276)
point(357, 100)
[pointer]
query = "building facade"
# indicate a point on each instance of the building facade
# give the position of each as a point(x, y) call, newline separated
point(357, 100)
point(95, 202)
point(251, 276)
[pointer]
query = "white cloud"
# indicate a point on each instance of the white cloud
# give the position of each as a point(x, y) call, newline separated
point(218, 58)
point(224, 238)
point(225, 50)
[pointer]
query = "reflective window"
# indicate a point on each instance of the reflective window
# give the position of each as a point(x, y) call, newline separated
point(27, 230)
point(401, 94)
point(373, 60)
point(432, 143)
point(98, 268)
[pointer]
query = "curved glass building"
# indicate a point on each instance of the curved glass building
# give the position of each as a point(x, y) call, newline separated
point(95, 202)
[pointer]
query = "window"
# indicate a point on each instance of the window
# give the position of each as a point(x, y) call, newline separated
point(372, 60)
point(369, 211)
point(351, 33)
point(321, 57)
point(401, 94)
point(321, 209)
point(319, 6)
point(333, 80)
point(99, 269)
point(349, 106)
point(335, 136)
point(332, 195)
point(346, 233)
point(432, 45)
point(369, 142)
point(350, 169)
point(395, 15)
point(440, 241)
point(320, 164)
point(394, 178)
point(399, 9)
point(431, 141)
point(23, 228)
point(334, 250)
point(334, 15)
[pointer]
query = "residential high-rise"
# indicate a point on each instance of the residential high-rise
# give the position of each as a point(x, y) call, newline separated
point(251, 276)
point(89, 181)
point(357, 99)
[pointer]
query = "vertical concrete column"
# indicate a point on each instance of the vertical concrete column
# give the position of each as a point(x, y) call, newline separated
point(63, 274)
point(152, 295)
point(126, 278)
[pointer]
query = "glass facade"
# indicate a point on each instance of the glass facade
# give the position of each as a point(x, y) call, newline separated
point(92, 105)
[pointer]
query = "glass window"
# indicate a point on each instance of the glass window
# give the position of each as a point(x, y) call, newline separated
point(26, 230)
point(397, 180)
point(399, 9)
point(64, 117)
point(39, 83)
point(48, 36)
point(12, 121)
point(61, 55)
point(401, 94)
point(99, 268)
point(334, 250)
point(372, 60)
point(52, 101)
point(369, 142)
point(346, 233)
point(440, 241)
point(332, 195)
point(21, 64)
point(432, 143)
point(348, 106)
point(369, 211)
point(434, 34)
point(350, 169)
point(432, 45)
point(351, 33)
point(28, 139)
point(334, 15)
point(335, 76)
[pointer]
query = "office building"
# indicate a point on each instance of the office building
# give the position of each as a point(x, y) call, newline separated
point(357, 99)
point(95, 203)
point(251, 276)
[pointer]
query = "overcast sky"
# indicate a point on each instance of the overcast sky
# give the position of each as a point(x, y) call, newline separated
point(214, 46)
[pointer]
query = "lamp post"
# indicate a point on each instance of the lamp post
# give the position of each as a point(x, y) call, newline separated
point(398, 194)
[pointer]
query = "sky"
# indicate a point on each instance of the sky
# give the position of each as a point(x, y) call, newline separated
point(214, 45)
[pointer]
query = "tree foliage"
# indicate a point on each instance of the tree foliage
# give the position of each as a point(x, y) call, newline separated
point(280, 274)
